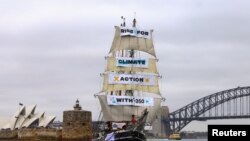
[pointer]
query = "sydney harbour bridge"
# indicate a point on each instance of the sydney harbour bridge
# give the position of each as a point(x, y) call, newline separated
point(228, 104)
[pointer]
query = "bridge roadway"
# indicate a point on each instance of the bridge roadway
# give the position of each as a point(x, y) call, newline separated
point(213, 117)
point(228, 104)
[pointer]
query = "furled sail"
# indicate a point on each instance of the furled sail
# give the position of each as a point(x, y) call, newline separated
point(124, 112)
point(128, 42)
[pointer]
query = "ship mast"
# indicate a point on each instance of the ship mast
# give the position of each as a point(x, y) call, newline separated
point(134, 22)
point(123, 24)
point(132, 52)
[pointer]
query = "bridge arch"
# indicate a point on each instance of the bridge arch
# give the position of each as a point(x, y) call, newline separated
point(178, 119)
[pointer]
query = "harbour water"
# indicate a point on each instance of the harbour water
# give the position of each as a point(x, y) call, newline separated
point(175, 140)
point(147, 140)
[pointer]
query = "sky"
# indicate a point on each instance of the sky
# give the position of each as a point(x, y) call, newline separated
point(52, 51)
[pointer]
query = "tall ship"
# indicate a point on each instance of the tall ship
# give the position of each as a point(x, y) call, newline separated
point(130, 95)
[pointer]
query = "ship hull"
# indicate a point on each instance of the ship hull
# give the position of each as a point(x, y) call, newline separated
point(130, 136)
point(124, 136)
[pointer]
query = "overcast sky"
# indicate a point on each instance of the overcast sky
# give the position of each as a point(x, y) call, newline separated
point(52, 52)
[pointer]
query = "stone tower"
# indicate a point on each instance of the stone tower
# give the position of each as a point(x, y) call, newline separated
point(77, 124)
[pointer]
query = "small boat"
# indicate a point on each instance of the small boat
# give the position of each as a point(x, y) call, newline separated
point(175, 136)
point(130, 133)
point(127, 135)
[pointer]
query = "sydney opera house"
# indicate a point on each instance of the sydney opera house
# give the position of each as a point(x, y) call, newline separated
point(26, 117)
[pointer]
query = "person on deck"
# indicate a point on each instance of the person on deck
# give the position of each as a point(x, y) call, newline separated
point(109, 127)
point(133, 120)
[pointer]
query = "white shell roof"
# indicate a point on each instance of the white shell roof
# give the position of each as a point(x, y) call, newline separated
point(14, 119)
point(46, 120)
point(25, 116)
point(32, 119)
point(30, 110)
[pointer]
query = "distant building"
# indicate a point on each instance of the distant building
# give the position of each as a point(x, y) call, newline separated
point(26, 117)
point(77, 124)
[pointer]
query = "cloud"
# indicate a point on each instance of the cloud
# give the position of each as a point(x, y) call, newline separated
point(52, 52)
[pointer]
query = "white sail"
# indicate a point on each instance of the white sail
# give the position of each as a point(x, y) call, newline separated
point(130, 81)
point(132, 43)
point(124, 112)
point(148, 67)
point(108, 86)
